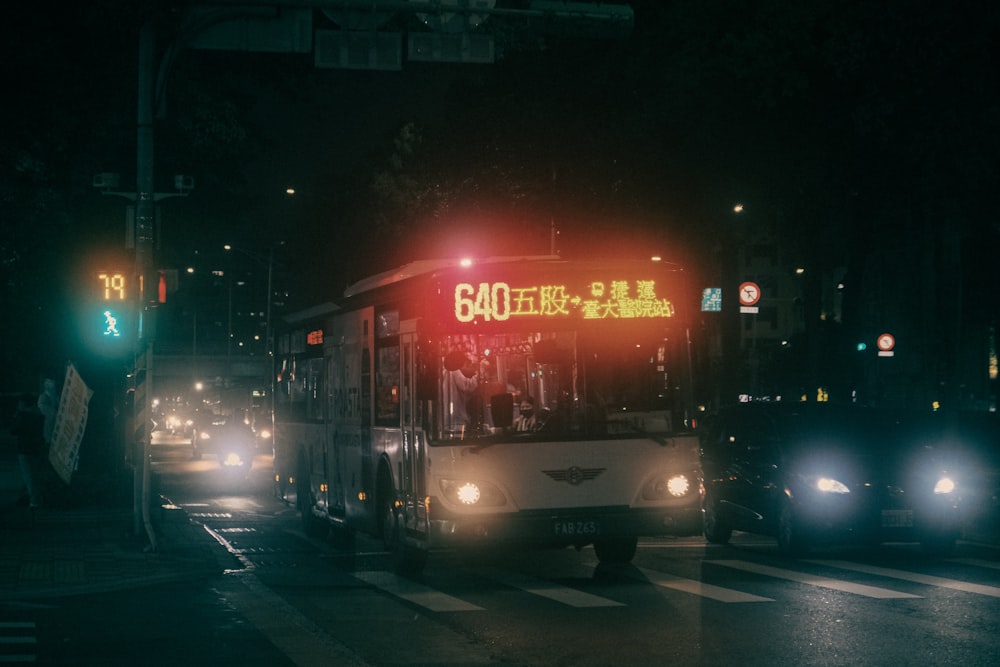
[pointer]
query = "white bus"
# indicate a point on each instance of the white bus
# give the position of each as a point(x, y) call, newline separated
point(509, 401)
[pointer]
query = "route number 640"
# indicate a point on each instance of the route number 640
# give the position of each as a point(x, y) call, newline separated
point(490, 301)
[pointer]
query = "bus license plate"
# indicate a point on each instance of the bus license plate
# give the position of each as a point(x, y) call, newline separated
point(897, 518)
point(570, 528)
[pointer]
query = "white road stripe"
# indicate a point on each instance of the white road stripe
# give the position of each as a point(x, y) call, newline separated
point(916, 577)
point(696, 587)
point(547, 589)
point(416, 593)
point(976, 562)
point(813, 580)
point(20, 634)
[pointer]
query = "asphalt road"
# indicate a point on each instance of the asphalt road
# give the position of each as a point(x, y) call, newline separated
point(300, 601)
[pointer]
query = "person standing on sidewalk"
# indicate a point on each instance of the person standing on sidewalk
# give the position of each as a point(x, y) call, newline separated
point(48, 401)
point(28, 426)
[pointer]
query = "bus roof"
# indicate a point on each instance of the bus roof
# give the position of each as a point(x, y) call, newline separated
point(429, 266)
point(319, 310)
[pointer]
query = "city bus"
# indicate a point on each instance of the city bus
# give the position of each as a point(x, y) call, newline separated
point(504, 402)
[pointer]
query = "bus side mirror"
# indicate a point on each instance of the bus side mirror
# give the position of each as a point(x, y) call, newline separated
point(502, 410)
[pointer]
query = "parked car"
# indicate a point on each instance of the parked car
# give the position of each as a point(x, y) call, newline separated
point(811, 474)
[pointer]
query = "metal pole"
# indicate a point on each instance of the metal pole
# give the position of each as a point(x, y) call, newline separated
point(269, 337)
point(145, 212)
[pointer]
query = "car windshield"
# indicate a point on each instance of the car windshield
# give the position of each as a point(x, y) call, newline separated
point(854, 430)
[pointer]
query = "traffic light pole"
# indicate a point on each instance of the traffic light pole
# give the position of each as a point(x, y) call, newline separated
point(145, 213)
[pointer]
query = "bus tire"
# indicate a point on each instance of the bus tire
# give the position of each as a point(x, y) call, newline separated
point(617, 550)
point(405, 560)
point(311, 525)
point(716, 529)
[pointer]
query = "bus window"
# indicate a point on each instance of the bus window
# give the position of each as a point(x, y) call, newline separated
point(387, 384)
point(581, 386)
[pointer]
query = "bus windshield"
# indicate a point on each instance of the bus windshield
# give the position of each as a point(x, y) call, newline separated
point(557, 385)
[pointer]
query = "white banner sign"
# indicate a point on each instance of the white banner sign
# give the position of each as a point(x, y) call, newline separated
point(71, 420)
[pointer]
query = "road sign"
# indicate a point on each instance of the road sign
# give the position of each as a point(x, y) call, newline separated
point(711, 300)
point(885, 344)
point(749, 295)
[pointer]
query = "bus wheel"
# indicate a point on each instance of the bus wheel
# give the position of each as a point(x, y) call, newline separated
point(620, 550)
point(717, 530)
point(311, 525)
point(405, 560)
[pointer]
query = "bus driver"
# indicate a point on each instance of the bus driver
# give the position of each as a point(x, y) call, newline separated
point(461, 375)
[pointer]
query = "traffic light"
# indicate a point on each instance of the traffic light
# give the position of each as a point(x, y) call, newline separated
point(108, 311)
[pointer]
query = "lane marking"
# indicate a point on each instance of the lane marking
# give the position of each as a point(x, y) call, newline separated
point(547, 589)
point(814, 580)
point(916, 577)
point(416, 593)
point(695, 587)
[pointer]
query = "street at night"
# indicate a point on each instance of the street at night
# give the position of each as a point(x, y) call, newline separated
point(290, 599)
point(500, 332)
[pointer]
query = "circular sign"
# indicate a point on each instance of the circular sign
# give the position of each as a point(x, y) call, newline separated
point(749, 293)
point(886, 342)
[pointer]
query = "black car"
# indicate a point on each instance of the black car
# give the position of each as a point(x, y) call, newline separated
point(819, 473)
point(223, 436)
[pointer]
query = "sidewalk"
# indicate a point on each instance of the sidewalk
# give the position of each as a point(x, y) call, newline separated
point(62, 551)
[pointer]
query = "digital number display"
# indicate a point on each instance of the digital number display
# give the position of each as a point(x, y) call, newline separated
point(314, 337)
point(599, 300)
point(112, 285)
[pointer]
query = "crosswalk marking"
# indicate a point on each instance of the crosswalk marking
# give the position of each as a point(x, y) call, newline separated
point(813, 580)
point(435, 600)
point(916, 577)
point(976, 562)
point(696, 587)
point(547, 589)
point(20, 634)
point(415, 593)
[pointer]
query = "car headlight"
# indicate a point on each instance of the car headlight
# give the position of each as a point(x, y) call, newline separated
point(830, 485)
point(944, 485)
point(204, 435)
point(472, 493)
point(673, 485)
point(232, 460)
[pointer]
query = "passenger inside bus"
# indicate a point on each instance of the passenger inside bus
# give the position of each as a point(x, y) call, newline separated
point(526, 420)
point(462, 382)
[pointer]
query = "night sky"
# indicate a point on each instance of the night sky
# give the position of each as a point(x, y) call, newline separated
point(849, 128)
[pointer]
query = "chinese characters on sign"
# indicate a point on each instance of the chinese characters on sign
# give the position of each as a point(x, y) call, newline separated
point(617, 299)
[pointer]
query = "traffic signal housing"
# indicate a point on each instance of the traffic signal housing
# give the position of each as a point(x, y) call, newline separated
point(108, 311)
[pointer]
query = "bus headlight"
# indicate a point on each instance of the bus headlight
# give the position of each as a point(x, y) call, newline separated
point(472, 493)
point(944, 485)
point(830, 485)
point(674, 485)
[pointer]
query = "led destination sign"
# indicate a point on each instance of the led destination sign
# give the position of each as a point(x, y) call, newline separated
point(598, 300)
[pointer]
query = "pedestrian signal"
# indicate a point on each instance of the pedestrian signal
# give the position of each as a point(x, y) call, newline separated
point(108, 313)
